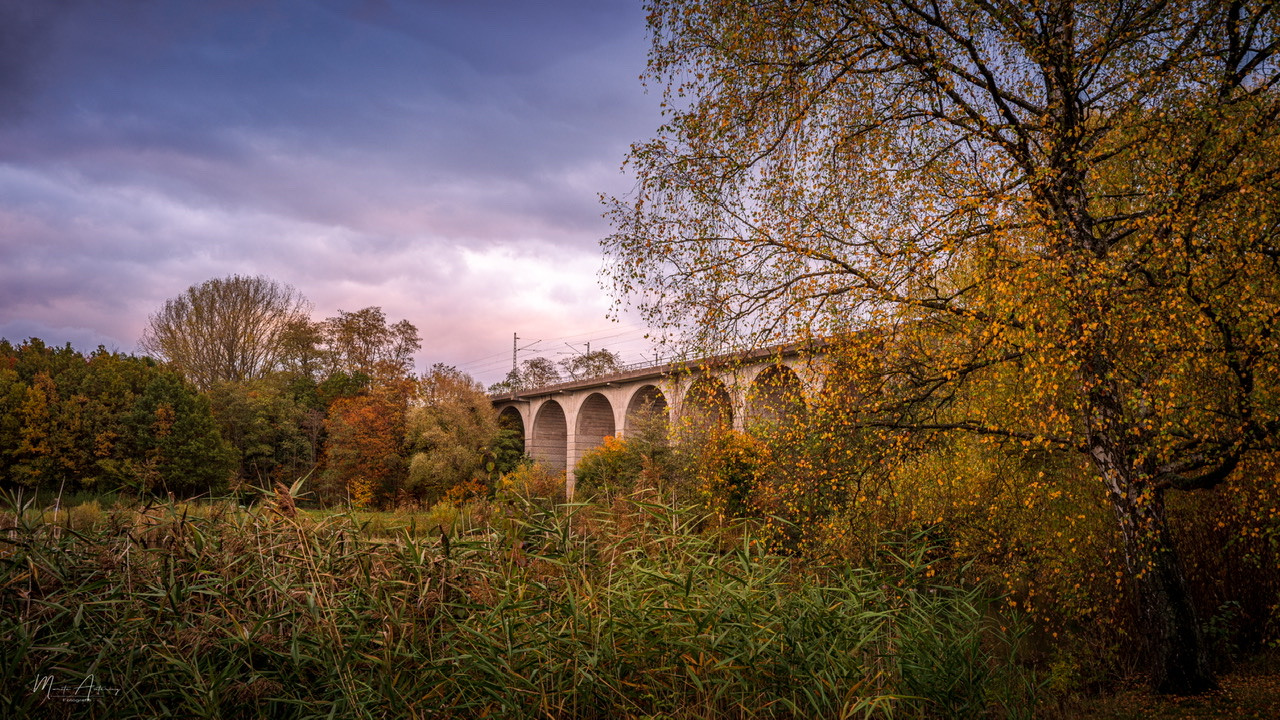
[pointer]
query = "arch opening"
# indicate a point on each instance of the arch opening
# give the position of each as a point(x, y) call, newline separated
point(707, 405)
point(510, 420)
point(647, 411)
point(776, 397)
point(550, 444)
point(595, 422)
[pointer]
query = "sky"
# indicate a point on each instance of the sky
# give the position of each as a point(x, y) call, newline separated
point(440, 159)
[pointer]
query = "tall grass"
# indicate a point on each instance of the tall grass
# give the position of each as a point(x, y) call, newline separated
point(569, 612)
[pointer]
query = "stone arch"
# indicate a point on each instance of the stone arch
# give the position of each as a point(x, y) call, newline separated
point(647, 401)
point(550, 444)
point(707, 403)
point(776, 396)
point(595, 422)
point(849, 386)
point(510, 419)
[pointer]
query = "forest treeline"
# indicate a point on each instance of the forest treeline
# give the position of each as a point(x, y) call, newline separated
point(244, 390)
point(104, 421)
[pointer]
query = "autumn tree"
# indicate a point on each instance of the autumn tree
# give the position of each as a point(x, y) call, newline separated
point(364, 459)
point(644, 459)
point(1071, 202)
point(106, 421)
point(42, 453)
point(227, 329)
point(362, 343)
point(454, 437)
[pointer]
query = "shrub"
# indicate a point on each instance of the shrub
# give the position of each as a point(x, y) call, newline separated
point(610, 469)
point(535, 482)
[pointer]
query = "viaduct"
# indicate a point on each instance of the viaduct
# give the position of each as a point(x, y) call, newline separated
point(562, 422)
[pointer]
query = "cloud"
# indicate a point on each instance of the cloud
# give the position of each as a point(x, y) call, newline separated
point(441, 160)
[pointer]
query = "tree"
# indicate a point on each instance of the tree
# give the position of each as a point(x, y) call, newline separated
point(227, 329)
point(1075, 199)
point(362, 343)
point(454, 436)
point(105, 397)
point(533, 373)
point(42, 454)
point(364, 458)
point(644, 459)
point(105, 421)
point(303, 354)
point(593, 363)
point(274, 434)
point(538, 372)
point(174, 440)
point(70, 424)
point(12, 396)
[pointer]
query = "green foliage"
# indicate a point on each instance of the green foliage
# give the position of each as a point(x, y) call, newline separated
point(507, 449)
point(338, 385)
point(274, 434)
point(453, 436)
point(612, 468)
point(726, 467)
point(175, 434)
point(620, 466)
point(707, 465)
point(106, 421)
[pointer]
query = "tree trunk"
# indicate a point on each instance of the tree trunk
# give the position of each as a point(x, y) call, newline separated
point(1173, 645)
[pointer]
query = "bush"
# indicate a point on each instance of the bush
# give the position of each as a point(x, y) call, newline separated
point(725, 468)
point(608, 470)
point(534, 482)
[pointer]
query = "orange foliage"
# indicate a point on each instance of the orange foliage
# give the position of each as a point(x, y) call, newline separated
point(365, 453)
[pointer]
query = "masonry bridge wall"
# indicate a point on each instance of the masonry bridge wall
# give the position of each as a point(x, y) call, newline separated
point(562, 422)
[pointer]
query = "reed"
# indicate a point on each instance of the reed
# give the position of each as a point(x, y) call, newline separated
point(540, 612)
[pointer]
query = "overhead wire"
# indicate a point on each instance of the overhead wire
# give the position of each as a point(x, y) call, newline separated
point(630, 343)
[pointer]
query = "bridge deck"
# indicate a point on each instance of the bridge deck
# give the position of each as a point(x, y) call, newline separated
point(644, 371)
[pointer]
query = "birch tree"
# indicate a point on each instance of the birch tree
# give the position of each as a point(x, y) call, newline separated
point(1072, 201)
